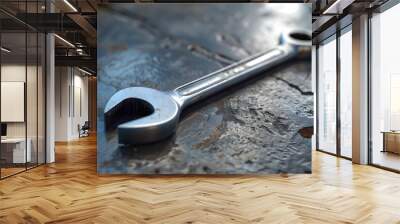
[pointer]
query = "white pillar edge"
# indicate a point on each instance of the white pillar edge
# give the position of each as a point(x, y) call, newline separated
point(360, 90)
point(50, 99)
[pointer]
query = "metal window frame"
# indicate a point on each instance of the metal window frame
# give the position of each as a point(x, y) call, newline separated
point(339, 32)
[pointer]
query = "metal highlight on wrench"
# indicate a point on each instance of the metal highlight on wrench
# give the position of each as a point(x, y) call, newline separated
point(144, 115)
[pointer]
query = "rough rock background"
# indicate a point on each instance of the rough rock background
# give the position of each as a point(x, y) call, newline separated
point(260, 126)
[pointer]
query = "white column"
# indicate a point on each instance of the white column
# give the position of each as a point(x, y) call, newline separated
point(50, 94)
point(360, 90)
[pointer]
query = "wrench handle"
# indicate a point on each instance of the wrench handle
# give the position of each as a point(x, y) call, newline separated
point(230, 75)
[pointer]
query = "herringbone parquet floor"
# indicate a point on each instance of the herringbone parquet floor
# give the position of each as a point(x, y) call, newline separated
point(70, 191)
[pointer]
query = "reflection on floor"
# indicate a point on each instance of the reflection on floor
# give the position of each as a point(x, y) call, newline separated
point(386, 159)
point(11, 169)
point(70, 191)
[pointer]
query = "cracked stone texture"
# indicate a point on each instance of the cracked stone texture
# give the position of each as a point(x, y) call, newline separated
point(260, 126)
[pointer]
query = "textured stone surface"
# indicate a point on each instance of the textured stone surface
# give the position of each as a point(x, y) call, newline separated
point(259, 126)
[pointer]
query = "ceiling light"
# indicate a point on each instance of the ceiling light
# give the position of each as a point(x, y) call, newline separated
point(5, 50)
point(70, 5)
point(65, 41)
point(84, 71)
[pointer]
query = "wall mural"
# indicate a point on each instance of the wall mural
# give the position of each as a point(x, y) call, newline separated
point(204, 89)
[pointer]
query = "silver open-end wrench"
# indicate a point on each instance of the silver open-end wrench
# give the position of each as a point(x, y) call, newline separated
point(144, 115)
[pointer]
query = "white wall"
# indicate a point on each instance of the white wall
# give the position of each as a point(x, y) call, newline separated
point(12, 73)
point(71, 94)
point(80, 104)
point(61, 103)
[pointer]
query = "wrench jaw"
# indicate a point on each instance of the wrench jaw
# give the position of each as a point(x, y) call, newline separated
point(147, 130)
point(126, 110)
point(142, 115)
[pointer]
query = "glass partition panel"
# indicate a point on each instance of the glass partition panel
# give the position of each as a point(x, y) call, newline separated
point(327, 96)
point(32, 85)
point(346, 93)
point(14, 153)
point(22, 101)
